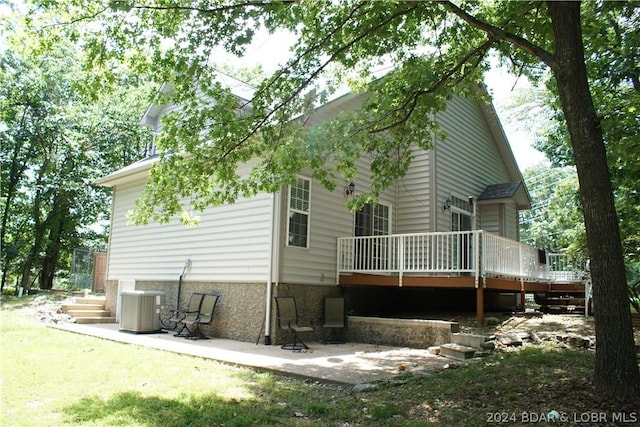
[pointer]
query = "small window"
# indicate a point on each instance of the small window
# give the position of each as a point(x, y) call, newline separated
point(299, 204)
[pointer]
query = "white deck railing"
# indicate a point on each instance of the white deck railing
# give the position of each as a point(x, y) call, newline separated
point(563, 268)
point(475, 253)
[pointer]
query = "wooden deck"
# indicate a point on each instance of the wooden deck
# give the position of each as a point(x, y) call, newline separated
point(457, 260)
point(522, 287)
point(449, 282)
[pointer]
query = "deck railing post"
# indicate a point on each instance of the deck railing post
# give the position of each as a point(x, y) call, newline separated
point(338, 264)
point(476, 257)
point(401, 263)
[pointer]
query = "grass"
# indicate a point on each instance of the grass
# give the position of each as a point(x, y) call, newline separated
point(55, 378)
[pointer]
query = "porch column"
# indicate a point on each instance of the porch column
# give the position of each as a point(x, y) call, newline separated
point(523, 300)
point(480, 304)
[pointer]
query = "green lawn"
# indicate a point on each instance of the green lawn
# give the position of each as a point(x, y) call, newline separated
point(53, 378)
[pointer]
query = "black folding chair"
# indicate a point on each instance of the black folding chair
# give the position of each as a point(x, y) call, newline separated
point(287, 317)
point(190, 313)
point(333, 319)
point(204, 317)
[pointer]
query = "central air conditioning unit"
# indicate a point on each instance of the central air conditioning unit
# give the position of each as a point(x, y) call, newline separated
point(123, 285)
point(140, 311)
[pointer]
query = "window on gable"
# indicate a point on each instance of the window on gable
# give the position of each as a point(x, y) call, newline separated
point(299, 204)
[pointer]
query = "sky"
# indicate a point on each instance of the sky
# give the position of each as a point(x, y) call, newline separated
point(271, 50)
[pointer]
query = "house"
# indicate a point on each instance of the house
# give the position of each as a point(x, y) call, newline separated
point(418, 249)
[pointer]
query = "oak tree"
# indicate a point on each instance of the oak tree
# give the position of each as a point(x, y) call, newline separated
point(436, 49)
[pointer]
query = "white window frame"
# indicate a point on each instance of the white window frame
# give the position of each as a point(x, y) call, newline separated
point(292, 210)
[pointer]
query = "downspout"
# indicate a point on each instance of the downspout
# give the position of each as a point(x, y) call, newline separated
point(187, 266)
point(433, 182)
point(110, 239)
point(272, 243)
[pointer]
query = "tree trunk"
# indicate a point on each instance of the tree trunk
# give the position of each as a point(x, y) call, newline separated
point(616, 373)
point(57, 220)
point(10, 190)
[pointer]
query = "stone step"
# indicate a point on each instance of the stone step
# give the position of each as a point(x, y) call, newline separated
point(89, 313)
point(469, 340)
point(86, 320)
point(70, 307)
point(457, 351)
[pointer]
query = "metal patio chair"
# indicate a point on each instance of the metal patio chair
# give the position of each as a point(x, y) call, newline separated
point(190, 313)
point(333, 319)
point(287, 317)
point(204, 317)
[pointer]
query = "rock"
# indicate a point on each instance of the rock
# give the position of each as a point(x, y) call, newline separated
point(489, 345)
point(510, 340)
point(358, 388)
point(435, 350)
point(534, 337)
point(491, 321)
point(577, 341)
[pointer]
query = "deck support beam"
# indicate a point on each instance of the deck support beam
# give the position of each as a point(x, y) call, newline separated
point(480, 304)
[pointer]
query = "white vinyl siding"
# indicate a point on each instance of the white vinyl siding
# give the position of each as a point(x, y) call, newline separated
point(511, 230)
point(491, 217)
point(414, 191)
point(231, 243)
point(468, 160)
point(330, 219)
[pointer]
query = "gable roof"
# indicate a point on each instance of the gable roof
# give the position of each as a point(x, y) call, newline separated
point(509, 190)
point(238, 88)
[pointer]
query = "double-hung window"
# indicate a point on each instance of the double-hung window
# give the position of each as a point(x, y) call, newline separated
point(299, 210)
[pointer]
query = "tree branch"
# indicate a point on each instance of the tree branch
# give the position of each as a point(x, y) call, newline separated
point(322, 67)
point(500, 34)
point(225, 8)
point(411, 101)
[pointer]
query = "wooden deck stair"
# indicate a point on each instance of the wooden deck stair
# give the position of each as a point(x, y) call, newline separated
point(89, 310)
point(563, 298)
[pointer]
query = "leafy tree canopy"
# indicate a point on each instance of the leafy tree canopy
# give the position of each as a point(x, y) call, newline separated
point(56, 140)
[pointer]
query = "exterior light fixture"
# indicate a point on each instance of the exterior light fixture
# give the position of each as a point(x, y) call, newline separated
point(447, 204)
point(350, 189)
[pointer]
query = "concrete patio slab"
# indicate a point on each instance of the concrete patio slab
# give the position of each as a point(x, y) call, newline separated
point(349, 363)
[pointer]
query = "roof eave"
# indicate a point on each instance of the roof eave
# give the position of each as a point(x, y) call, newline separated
point(128, 173)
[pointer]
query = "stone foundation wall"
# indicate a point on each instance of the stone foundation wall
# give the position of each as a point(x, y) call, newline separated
point(412, 333)
point(310, 305)
point(239, 313)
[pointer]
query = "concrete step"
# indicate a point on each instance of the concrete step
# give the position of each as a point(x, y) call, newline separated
point(469, 340)
point(71, 307)
point(91, 300)
point(89, 313)
point(457, 351)
point(85, 320)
